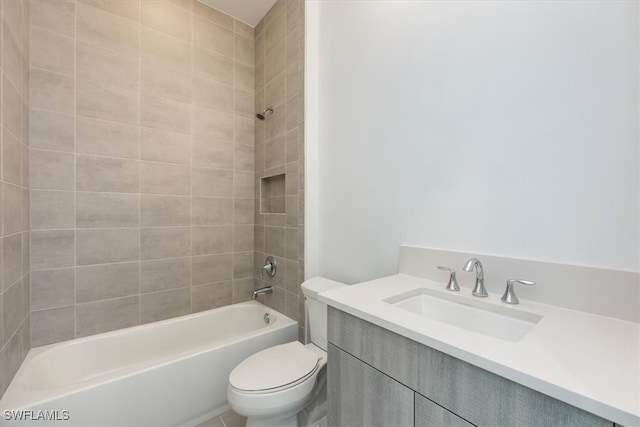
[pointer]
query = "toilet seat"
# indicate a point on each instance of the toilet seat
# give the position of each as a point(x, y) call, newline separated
point(274, 369)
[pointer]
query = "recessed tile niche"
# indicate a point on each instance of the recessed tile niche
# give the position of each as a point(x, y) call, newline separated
point(272, 198)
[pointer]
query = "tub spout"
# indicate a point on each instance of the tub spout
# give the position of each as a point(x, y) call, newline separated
point(262, 291)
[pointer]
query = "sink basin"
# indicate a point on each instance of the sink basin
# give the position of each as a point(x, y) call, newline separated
point(506, 323)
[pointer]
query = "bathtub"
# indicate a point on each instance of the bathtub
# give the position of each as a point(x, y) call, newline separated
point(168, 373)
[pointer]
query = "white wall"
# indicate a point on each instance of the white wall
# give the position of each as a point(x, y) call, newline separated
point(506, 128)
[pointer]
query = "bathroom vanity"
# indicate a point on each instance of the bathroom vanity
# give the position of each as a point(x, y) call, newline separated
point(380, 378)
point(391, 366)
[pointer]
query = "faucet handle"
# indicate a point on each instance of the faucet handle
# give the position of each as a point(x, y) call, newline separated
point(509, 296)
point(453, 284)
point(270, 267)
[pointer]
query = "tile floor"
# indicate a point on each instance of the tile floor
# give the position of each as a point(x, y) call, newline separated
point(228, 419)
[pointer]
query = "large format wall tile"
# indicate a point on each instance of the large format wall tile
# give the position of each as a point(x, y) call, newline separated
point(52, 288)
point(165, 146)
point(159, 275)
point(212, 240)
point(107, 315)
point(99, 246)
point(123, 8)
point(52, 91)
point(52, 52)
point(211, 269)
point(165, 50)
point(141, 163)
point(53, 325)
point(162, 113)
point(51, 130)
point(52, 249)
point(166, 17)
point(165, 242)
point(98, 282)
point(56, 16)
point(15, 216)
point(212, 153)
point(278, 145)
point(107, 66)
point(105, 138)
point(11, 102)
point(213, 124)
point(212, 66)
point(212, 211)
point(210, 94)
point(12, 309)
point(206, 297)
point(165, 82)
point(158, 211)
point(11, 208)
point(50, 170)
point(100, 101)
point(163, 305)
point(212, 182)
point(107, 174)
point(104, 210)
point(52, 209)
point(106, 30)
point(164, 178)
point(213, 37)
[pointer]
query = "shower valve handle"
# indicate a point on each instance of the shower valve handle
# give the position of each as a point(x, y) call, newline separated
point(270, 267)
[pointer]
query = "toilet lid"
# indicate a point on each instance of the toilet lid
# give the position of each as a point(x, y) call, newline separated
point(274, 367)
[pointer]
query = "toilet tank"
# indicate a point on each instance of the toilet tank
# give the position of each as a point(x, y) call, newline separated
point(316, 321)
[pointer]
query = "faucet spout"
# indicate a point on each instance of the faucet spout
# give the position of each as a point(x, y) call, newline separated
point(478, 289)
point(262, 291)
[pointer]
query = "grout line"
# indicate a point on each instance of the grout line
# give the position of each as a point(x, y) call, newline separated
point(75, 170)
point(192, 45)
point(233, 156)
point(139, 161)
point(26, 96)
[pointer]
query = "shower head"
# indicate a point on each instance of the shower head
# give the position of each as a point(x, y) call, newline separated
point(263, 114)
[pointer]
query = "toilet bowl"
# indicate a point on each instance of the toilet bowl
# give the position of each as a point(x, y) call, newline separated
point(271, 386)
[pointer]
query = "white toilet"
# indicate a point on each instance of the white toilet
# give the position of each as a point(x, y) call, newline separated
point(271, 386)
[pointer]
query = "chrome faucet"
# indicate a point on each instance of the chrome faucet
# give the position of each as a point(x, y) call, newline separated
point(453, 284)
point(262, 291)
point(478, 289)
point(509, 296)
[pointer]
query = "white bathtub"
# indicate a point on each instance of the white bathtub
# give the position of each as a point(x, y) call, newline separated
point(167, 373)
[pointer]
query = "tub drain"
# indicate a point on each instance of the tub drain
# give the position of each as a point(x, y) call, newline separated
point(266, 319)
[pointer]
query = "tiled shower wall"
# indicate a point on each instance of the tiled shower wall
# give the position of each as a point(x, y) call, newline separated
point(280, 150)
point(14, 192)
point(142, 163)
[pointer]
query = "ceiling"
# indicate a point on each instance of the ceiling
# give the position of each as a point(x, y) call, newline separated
point(248, 11)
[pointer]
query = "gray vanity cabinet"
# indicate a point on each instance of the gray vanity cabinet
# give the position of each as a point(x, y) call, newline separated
point(428, 414)
point(377, 377)
point(363, 396)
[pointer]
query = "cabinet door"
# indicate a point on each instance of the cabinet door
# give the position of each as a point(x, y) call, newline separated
point(359, 395)
point(428, 414)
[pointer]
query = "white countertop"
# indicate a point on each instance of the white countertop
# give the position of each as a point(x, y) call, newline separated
point(586, 360)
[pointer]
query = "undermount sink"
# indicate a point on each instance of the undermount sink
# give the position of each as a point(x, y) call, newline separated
point(507, 323)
